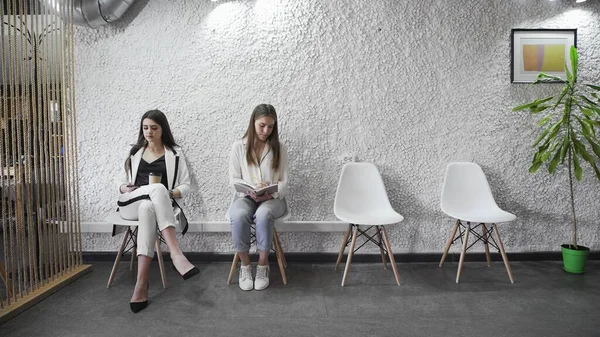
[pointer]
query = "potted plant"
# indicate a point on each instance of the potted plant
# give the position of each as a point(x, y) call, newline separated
point(569, 123)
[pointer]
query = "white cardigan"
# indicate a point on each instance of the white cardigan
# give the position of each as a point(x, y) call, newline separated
point(239, 170)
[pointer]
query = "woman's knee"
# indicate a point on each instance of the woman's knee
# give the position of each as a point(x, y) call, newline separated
point(240, 216)
point(146, 207)
point(159, 189)
point(263, 215)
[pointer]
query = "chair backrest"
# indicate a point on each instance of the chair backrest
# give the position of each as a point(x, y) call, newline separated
point(360, 189)
point(465, 189)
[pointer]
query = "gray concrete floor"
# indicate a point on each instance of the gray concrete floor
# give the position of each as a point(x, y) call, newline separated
point(543, 301)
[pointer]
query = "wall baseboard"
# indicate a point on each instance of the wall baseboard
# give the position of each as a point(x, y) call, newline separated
point(210, 257)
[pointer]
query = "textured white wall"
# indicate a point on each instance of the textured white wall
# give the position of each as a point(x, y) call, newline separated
point(407, 85)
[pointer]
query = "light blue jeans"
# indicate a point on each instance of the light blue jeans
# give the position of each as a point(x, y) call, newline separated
point(245, 211)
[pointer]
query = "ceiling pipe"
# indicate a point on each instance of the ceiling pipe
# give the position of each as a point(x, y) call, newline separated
point(91, 13)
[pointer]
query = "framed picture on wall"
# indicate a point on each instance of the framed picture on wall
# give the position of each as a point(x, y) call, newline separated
point(534, 51)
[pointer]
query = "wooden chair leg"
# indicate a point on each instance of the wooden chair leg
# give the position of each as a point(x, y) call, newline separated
point(449, 243)
point(161, 263)
point(344, 244)
point(487, 246)
point(133, 256)
point(350, 253)
point(463, 251)
point(118, 259)
point(279, 255)
point(503, 252)
point(381, 242)
point(390, 254)
point(276, 236)
point(236, 257)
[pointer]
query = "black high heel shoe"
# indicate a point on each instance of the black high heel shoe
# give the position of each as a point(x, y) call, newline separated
point(189, 273)
point(139, 306)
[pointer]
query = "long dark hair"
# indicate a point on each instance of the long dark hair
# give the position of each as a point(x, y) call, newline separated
point(167, 137)
point(260, 111)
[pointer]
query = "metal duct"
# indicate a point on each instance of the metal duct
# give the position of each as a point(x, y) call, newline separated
point(92, 13)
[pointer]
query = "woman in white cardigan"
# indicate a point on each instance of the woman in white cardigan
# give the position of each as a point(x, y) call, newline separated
point(153, 203)
point(258, 159)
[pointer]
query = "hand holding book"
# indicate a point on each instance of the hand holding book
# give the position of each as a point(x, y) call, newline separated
point(258, 190)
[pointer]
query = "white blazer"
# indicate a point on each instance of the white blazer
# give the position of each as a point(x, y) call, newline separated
point(178, 177)
point(173, 160)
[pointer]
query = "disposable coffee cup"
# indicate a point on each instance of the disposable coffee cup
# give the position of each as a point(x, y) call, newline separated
point(154, 178)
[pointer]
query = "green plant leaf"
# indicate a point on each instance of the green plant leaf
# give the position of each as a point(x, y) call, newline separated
point(569, 76)
point(589, 101)
point(540, 137)
point(562, 95)
point(554, 130)
point(578, 170)
point(545, 156)
point(591, 122)
point(574, 60)
point(538, 109)
point(582, 151)
point(564, 148)
point(587, 111)
point(533, 168)
point(544, 120)
point(594, 145)
point(555, 160)
point(596, 170)
point(595, 87)
point(543, 77)
point(533, 104)
point(585, 128)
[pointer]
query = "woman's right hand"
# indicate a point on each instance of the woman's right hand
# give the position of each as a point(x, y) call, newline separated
point(126, 188)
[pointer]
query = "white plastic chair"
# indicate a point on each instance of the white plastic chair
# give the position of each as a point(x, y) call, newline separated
point(276, 245)
point(466, 196)
point(361, 200)
point(129, 243)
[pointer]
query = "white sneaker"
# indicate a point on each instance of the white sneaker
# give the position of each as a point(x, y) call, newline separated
point(262, 277)
point(246, 282)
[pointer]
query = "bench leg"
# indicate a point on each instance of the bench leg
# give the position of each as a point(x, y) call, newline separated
point(280, 258)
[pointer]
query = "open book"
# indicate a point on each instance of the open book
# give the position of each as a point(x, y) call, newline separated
point(246, 188)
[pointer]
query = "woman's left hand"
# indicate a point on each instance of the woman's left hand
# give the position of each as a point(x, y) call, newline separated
point(260, 198)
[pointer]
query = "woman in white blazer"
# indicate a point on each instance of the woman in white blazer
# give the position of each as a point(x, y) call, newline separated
point(258, 159)
point(152, 203)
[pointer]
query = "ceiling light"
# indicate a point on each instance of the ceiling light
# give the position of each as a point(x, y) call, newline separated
point(578, 1)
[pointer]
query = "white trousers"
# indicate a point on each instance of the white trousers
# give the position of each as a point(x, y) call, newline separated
point(151, 206)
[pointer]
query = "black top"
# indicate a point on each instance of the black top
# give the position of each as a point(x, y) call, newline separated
point(157, 166)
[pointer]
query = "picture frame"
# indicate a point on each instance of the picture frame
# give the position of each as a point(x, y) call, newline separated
point(540, 50)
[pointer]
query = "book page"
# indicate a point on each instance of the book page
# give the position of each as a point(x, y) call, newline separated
point(269, 189)
point(243, 188)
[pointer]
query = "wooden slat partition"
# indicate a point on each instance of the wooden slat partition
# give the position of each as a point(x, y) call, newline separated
point(40, 238)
